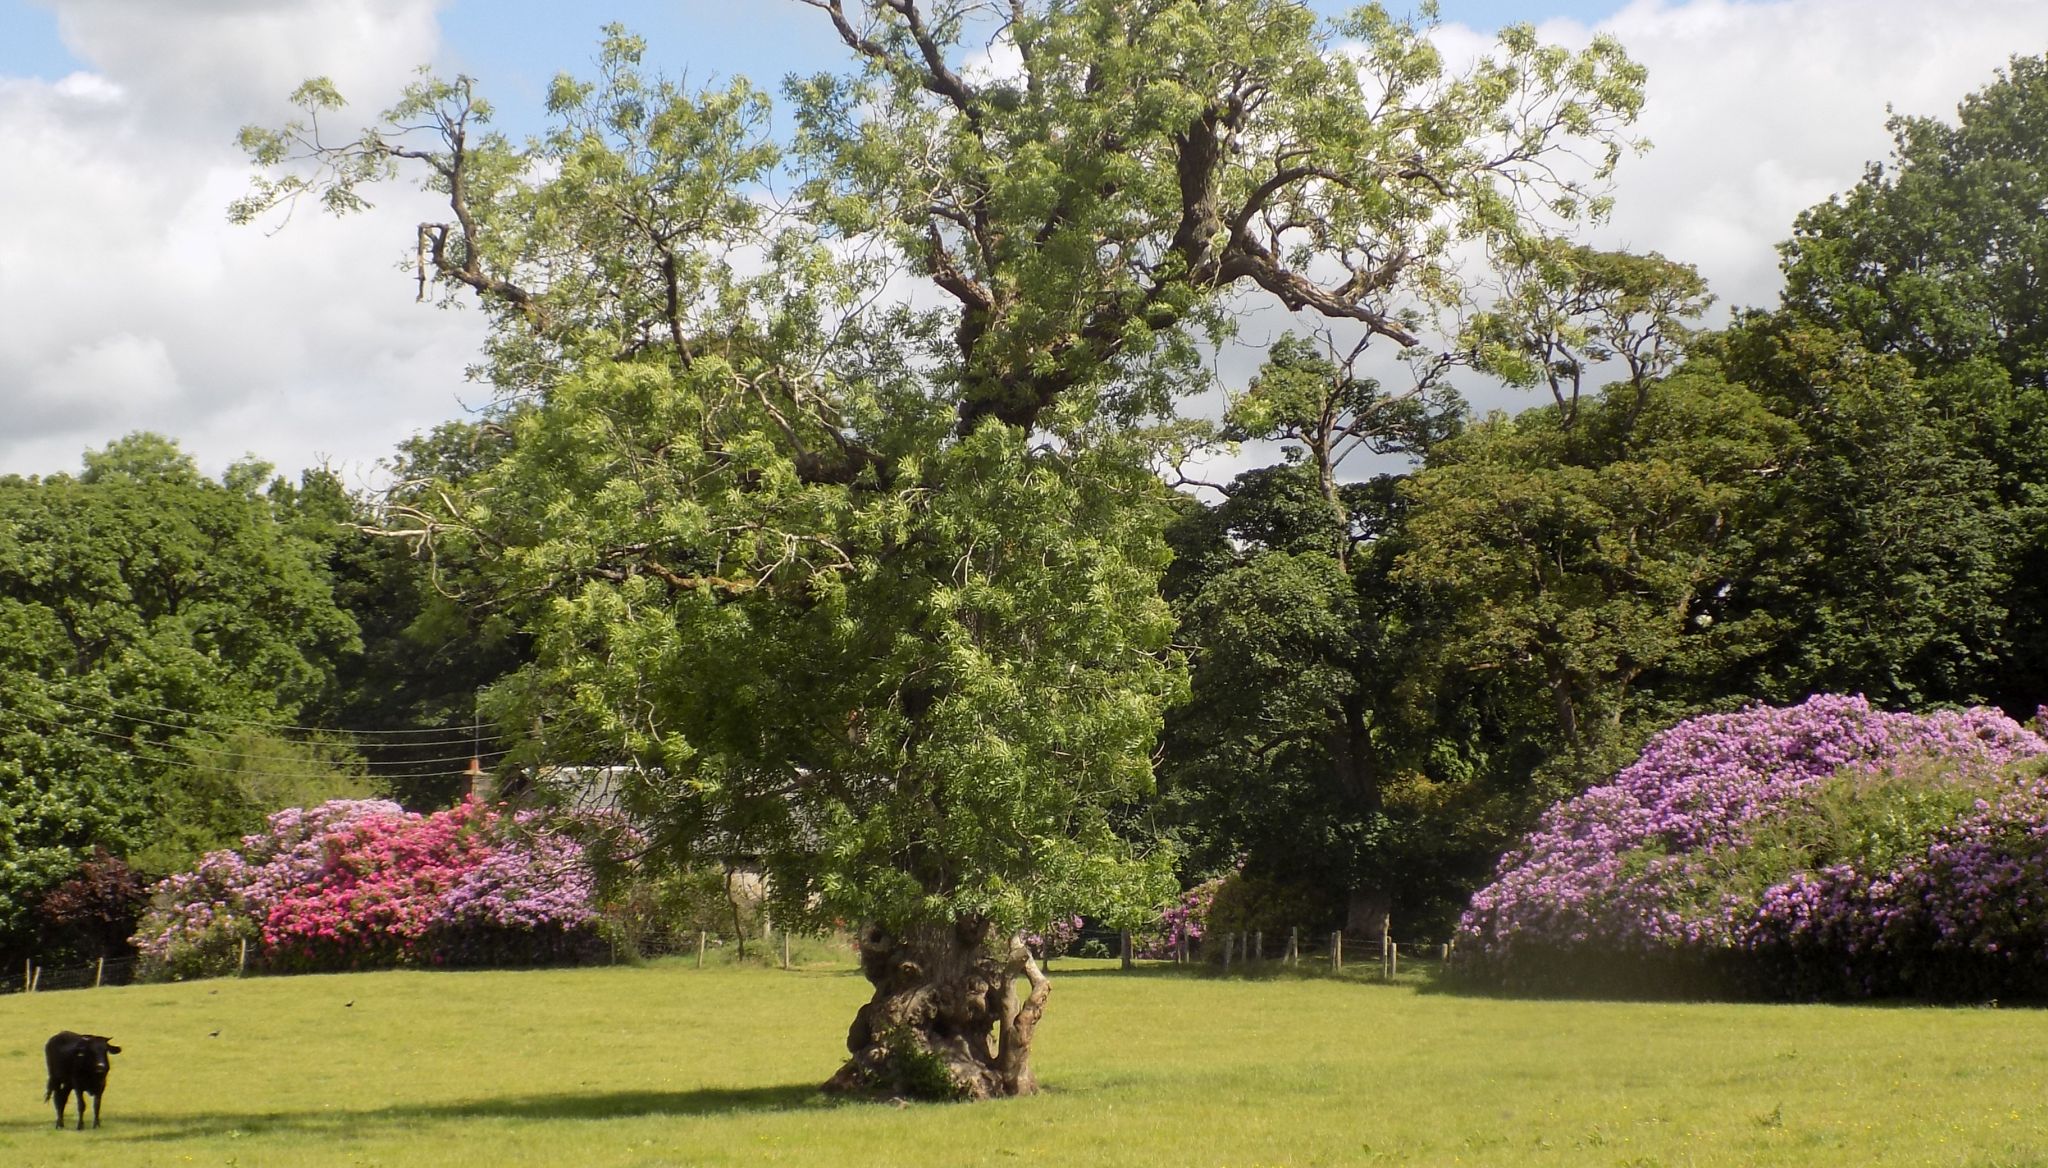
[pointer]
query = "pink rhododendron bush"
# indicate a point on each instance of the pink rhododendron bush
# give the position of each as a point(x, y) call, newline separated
point(359, 884)
point(1821, 850)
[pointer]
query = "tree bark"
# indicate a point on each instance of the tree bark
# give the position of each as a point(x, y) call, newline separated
point(1368, 911)
point(947, 1020)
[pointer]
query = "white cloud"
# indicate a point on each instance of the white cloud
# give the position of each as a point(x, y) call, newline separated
point(128, 301)
point(1759, 110)
point(117, 372)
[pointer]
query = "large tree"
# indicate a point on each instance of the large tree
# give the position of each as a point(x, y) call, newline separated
point(870, 589)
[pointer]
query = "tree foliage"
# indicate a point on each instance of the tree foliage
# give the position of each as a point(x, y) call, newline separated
point(410, 698)
point(1935, 258)
point(1889, 568)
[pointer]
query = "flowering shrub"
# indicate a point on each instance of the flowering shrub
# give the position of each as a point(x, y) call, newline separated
point(198, 920)
point(1184, 921)
point(1820, 849)
point(1055, 939)
point(529, 904)
point(354, 884)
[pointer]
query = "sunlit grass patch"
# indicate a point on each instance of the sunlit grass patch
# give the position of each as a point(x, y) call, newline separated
point(664, 1064)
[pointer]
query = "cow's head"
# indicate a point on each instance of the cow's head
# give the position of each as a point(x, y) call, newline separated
point(92, 1055)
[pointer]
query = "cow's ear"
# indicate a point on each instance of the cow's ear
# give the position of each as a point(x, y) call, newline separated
point(112, 1049)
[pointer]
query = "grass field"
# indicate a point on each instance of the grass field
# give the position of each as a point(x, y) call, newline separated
point(665, 1064)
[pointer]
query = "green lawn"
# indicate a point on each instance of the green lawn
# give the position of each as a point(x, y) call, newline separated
point(669, 1065)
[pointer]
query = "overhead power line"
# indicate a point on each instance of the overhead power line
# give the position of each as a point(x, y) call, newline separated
point(186, 764)
point(451, 736)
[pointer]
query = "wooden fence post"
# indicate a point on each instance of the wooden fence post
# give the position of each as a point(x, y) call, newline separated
point(1337, 949)
point(242, 960)
point(1293, 945)
point(785, 948)
point(1393, 959)
point(99, 972)
point(28, 975)
point(700, 948)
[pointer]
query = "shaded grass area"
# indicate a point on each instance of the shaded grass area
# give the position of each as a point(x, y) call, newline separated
point(664, 1064)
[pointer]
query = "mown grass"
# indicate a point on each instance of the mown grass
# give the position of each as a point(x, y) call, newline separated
point(665, 1064)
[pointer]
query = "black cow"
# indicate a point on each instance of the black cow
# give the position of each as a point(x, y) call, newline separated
point(78, 1062)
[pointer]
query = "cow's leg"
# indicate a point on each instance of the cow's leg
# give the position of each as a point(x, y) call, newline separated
point(81, 1109)
point(96, 1108)
point(63, 1097)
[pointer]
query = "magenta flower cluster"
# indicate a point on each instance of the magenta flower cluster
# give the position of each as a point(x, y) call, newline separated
point(1686, 859)
point(1183, 922)
point(362, 884)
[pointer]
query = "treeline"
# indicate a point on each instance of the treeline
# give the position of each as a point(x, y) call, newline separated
point(1847, 493)
point(181, 656)
point(1389, 674)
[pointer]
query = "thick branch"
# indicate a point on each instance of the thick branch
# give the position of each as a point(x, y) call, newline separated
point(1020, 1019)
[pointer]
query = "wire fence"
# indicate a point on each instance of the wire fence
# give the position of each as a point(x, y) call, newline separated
point(1253, 950)
point(1247, 951)
point(1334, 951)
point(29, 977)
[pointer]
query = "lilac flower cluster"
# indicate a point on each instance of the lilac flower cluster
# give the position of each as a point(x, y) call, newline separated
point(1055, 939)
point(526, 904)
point(350, 884)
point(1686, 855)
point(1966, 916)
point(1182, 924)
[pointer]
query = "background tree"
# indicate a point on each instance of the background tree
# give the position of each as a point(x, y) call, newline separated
point(1582, 563)
point(875, 590)
point(1568, 315)
point(1936, 258)
point(1891, 565)
point(1296, 737)
point(409, 698)
point(146, 614)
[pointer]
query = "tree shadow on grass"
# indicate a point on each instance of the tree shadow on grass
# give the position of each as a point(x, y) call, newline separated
point(535, 1108)
point(1268, 970)
point(1059, 973)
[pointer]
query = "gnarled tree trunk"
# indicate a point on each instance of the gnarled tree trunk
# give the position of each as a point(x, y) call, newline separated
point(946, 1020)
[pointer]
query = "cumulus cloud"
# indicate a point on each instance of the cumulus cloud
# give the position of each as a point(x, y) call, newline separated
point(130, 303)
point(1759, 110)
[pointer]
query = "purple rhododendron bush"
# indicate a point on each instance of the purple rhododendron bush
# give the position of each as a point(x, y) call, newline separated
point(361, 884)
point(1822, 850)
